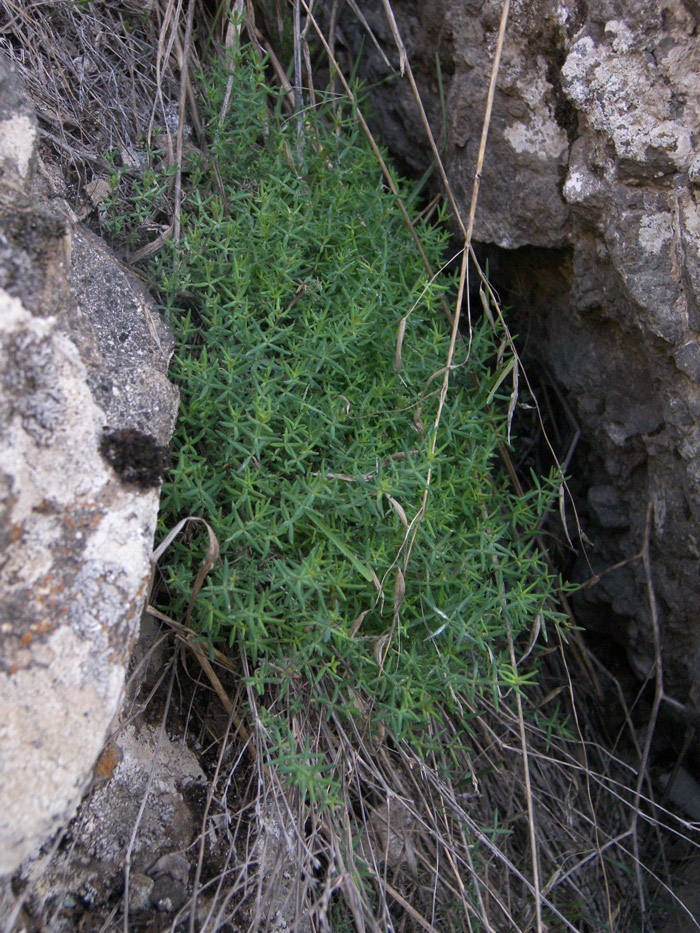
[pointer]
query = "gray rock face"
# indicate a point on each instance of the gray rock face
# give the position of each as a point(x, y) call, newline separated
point(593, 158)
point(88, 872)
point(81, 348)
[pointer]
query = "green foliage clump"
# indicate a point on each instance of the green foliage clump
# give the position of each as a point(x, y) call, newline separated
point(307, 451)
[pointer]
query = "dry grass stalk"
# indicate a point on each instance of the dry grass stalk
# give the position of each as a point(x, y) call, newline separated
point(90, 72)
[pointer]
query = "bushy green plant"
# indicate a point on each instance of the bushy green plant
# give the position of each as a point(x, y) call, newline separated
point(307, 451)
point(138, 201)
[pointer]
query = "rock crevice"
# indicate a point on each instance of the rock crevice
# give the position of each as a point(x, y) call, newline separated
point(593, 162)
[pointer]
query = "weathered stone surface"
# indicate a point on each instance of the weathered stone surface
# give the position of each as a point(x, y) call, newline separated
point(18, 129)
point(607, 508)
point(531, 121)
point(593, 154)
point(80, 348)
point(82, 885)
point(275, 852)
point(88, 871)
point(130, 382)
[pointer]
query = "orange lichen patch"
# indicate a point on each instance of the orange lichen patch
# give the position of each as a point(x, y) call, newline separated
point(52, 589)
point(16, 531)
point(107, 762)
point(39, 628)
point(14, 669)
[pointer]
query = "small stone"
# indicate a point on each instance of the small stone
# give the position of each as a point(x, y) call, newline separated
point(167, 894)
point(140, 888)
point(607, 508)
point(174, 865)
point(687, 360)
point(694, 172)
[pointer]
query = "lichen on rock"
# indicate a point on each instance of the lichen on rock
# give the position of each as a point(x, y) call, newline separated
point(75, 539)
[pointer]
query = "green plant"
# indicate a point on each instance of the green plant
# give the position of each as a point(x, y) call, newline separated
point(386, 660)
point(307, 451)
point(138, 201)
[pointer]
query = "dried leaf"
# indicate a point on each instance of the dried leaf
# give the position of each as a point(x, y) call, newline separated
point(514, 396)
point(174, 532)
point(357, 623)
point(399, 591)
point(501, 350)
point(562, 513)
point(379, 652)
point(485, 304)
point(150, 249)
point(290, 159)
point(399, 343)
point(210, 558)
point(551, 695)
point(420, 427)
point(435, 375)
point(534, 635)
point(398, 508)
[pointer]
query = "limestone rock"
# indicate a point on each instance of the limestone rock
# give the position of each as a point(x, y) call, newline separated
point(82, 349)
point(83, 877)
point(589, 212)
point(18, 129)
point(531, 122)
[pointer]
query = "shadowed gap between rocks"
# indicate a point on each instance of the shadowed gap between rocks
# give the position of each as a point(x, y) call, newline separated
point(608, 473)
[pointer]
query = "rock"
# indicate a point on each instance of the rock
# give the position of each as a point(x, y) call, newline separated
point(684, 913)
point(275, 851)
point(82, 349)
point(607, 508)
point(88, 870)
point(18, 128)
point(168, 894)
point(589, 208)
point(174, 866)
point(171, 872)
point(684, 792)
point(140, 889)
point(531, 122)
